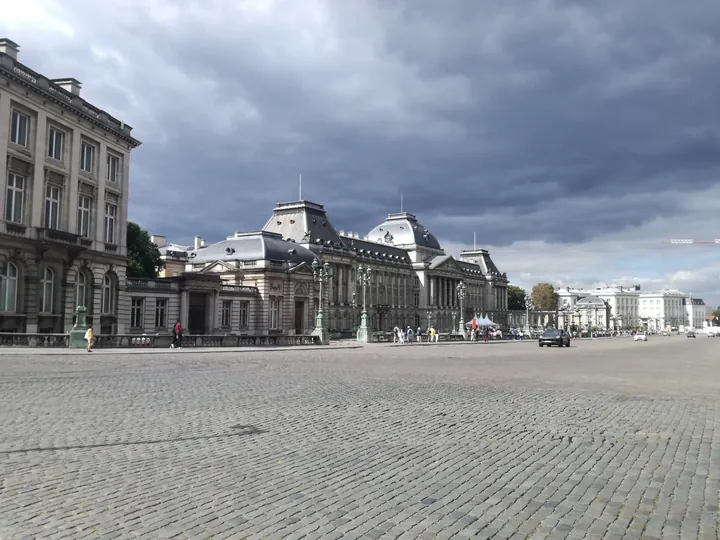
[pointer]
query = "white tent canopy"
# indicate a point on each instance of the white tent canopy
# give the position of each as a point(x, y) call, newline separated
point(480, 322)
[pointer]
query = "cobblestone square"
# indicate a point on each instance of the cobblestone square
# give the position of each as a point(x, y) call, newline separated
point(605, 439)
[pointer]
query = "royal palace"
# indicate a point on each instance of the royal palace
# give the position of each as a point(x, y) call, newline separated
point(66, 166)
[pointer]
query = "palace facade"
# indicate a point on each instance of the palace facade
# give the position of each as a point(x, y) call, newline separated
point(65, 166)
point(260, 283)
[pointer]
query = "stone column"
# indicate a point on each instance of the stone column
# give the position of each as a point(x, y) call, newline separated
point(184, 308)
point(68, 290)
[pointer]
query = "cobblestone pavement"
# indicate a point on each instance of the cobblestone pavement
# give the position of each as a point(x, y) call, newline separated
point(606, 439)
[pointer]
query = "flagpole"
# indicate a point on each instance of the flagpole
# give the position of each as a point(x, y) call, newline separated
point(300, 187)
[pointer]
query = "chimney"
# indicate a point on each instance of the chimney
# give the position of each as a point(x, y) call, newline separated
point(198, 243)
point(71, 85)
point(9, 47)
point(158, 240)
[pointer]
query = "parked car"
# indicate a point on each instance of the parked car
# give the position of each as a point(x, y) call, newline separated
point(554, 337)
point(713, 331)
point(640, 336)
point(690, 333)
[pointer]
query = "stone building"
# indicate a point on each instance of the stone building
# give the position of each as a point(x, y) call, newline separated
point(263, 281)
point(65, 165)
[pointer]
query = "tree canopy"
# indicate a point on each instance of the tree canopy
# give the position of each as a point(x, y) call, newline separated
point(143, 256)
point(544, 297)
point(516, 297)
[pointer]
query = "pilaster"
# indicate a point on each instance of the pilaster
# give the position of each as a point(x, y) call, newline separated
point(99, 215)
point(38, 184)
point(70, 214)
point(4, 139)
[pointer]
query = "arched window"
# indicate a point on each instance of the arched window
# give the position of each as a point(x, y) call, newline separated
point(8, 289)
point(48, 280)
point(81, 289)
point(108, 294)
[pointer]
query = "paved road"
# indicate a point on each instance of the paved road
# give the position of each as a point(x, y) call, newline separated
point(606, 439)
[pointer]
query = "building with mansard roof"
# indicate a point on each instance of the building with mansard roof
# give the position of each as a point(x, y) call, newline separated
point(264, 280)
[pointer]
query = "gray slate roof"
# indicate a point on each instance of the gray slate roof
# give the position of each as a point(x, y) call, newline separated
point(303, 222)
point(403, 229)
point(254, 246)
point(176, 250)
point(374, 249)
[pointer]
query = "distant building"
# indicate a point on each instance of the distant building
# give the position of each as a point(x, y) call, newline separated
point(65, 167)
point(695, 310)
point(630, 307)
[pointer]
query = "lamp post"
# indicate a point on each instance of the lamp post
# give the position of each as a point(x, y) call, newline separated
point(461, 291)
point(528, 306)
point(321, 274)
point(428, 315)
point(364, 275)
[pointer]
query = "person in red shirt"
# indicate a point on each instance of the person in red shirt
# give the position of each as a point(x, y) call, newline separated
point(177, 336)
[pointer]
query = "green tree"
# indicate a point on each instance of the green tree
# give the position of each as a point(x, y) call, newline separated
point(143, 256)
point(516, 297)
point(544, 297)
point(715, 312)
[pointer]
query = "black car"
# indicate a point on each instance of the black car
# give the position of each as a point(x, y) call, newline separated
point(555, 337)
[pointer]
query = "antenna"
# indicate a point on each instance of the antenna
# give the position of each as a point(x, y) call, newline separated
point(300, 187)
point(474, 241)
point(401, 201)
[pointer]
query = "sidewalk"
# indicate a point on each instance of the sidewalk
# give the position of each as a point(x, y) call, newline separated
point(40, 351)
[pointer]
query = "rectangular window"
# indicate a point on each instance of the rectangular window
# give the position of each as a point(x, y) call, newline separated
point(20, 128)
point(136, 313)
point(113, 168)
point(244, 307)
point(226, 313)
point(416, 298)
point(83, 217)
point(160, 313)
point(56, 144)
point(52, 207)
point(87, 157)
point(15, 198)
point(274, 313)
point(110, 217)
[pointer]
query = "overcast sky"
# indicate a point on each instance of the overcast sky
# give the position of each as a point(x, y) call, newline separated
point(573, 136)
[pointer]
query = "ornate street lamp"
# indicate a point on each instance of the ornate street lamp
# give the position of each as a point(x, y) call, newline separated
point(428, 314)
point(364, 275)
point(528, 307)
point(321, 274)
point(461, 291)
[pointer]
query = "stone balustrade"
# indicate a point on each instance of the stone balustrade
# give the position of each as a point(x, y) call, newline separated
point(126, 341)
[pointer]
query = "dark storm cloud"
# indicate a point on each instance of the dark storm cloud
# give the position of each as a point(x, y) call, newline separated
point(521, 110)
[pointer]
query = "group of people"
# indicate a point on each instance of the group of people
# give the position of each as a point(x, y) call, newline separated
point(405, 335)
point(176, 342)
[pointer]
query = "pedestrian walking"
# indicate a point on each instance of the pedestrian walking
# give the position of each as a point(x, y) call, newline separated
point(177, 336)
point(486, 334)
point(418, 334)
point(396, 335)
point(89, 338)
point(408, 334)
